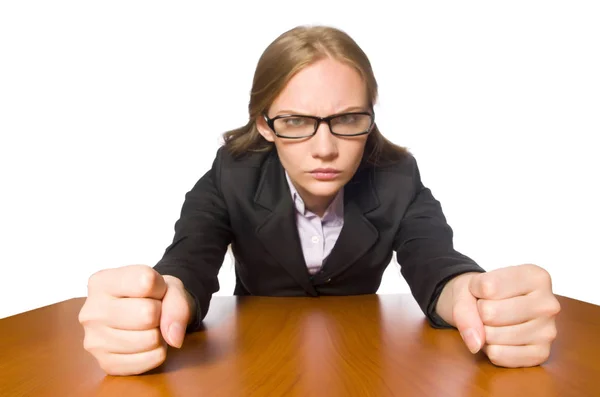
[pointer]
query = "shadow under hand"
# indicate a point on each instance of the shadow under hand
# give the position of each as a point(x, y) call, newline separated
point(492, 380)
point(199, 367)
point(214, 340)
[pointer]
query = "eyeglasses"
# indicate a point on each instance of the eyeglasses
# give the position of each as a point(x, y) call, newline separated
point(294, 126)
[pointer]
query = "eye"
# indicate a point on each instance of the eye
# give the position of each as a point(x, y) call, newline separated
point(347, 119)
point(295, 121)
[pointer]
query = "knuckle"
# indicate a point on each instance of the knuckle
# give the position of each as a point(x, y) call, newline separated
point(149, 313)
point(148, 278)
point(491, 334)
point(154, 338)
point(553, 307)
point(532, 267)
point(553, 334)
point(161, 355)
point(94, 341)
point(550, 333)
point(542, 276)
point(488, 287)
point(486, 311)
point(113, 370)
point(494, 353)
point(114, 365)
point(83, 316)
point(542, 353)
point(107, 365)
point(87, 313)
point(93, 281)
point(89, 344)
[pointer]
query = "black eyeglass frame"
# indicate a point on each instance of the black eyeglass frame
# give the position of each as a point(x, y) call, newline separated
point(318, 121)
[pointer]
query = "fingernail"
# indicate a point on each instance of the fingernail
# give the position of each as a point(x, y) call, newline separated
point(176, 334)
point(471, 339)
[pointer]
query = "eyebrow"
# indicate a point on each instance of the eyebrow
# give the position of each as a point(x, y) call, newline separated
point(344, 110)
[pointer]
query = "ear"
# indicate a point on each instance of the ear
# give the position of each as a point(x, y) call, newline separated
point(263, 129)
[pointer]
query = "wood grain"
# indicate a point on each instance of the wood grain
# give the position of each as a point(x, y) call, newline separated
point(370, 345)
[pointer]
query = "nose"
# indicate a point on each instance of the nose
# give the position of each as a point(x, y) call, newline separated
point(324, 143)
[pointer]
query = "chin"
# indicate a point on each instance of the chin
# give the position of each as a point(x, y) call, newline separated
point(324, 189)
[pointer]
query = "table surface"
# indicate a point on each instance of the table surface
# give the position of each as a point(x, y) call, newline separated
point(369, 345)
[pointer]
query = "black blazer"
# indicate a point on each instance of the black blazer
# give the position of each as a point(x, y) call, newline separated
point(247, 203)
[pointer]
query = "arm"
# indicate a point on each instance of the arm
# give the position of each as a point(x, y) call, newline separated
point(425, 251)
point(202, 235)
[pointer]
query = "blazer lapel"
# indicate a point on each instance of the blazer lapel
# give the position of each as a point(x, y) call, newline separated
point(358, 234)
point(278, 231)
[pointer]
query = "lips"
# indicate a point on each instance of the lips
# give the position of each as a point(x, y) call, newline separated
point(325, 174)
point(326, 170)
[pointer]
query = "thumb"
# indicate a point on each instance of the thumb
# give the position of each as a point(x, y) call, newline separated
point(175, 312)
point(466, 318)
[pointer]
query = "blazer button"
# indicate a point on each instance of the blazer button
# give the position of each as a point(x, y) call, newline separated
point(328, 281)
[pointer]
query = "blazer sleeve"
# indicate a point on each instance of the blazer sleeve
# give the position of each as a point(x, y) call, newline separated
point(202, 235)
point(425, 251)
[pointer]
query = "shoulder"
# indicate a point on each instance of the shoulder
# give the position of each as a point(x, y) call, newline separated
point(240, 175)
point(225, 160)
point(394, 182)
point(403, 167)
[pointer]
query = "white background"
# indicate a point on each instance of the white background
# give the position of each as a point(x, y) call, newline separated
point(110, 111)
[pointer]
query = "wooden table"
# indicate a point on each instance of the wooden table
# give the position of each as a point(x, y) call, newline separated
point(372, 345)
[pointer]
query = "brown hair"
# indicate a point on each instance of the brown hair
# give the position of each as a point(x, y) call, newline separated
point(286, 56)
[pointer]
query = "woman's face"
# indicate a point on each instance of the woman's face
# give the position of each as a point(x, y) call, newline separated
point(319, 166)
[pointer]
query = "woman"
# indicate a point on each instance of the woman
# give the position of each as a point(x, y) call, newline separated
point(313, 200)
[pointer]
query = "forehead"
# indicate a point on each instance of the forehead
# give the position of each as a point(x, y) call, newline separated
point(323, 88)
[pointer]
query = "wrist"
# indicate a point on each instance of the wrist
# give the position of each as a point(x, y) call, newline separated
point(191, 302)
point(445, 304)
point(192, 306)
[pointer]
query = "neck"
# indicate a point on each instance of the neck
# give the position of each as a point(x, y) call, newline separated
point(317, 205)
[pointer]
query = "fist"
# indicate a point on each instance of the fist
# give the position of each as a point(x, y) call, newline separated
point(508, 313)
point(130, 315)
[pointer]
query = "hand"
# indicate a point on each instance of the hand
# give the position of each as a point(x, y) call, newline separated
point(130, 315)
point(509, 313)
